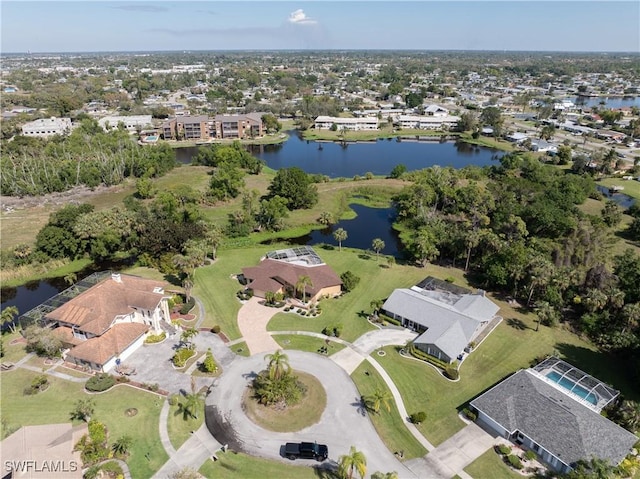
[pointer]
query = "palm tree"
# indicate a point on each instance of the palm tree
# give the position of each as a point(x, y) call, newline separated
point(70, 278)
point(340, 235)
point(84, 409)
point(301, 286)
point(379, 397)
point(352, 462)
point(187, 335)
point(213, 238)
point(375, 305)
point(377, 245)
point(278, 364)
point(122, 445)
point(7, 316)
point(325, 218)
point(191, 403)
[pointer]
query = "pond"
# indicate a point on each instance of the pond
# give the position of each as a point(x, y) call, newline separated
point(370, 223)
point(378, 157)
point(606, 102)
point(623, 200)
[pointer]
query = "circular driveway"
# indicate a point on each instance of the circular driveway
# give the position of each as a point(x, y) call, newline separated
point(342, 425)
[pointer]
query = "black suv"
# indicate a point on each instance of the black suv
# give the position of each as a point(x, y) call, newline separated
point(306, 450)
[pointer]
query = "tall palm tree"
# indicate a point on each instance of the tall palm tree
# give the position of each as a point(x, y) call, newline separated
point(377, 245)
point(7, 316)
point(340, 235)
point(188, 334)
point(187, 284)
point(355, 461)
point(379, 398)
point(304, 281)
point(325, 218)
point(191, 403)
point(278, 364)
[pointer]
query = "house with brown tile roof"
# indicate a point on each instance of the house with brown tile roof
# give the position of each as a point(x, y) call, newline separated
point(279, 272)
point(109, 321)
point(42, 452)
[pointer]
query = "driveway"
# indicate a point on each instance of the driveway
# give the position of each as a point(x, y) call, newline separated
point(342, 425)
point(453, 455)
point(252, 322)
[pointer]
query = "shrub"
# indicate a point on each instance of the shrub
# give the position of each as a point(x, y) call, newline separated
point(152, 386)
point(349, 281)
point(503, 449)
point(100, 382)
point(209, 365)
point(337, 330)
point(215, 329)
point(514, 461)
point(418, 417)
point(389, 319)
point(530, 455)
point(451, 372)
point(155, 338)
point(469, 414)
point(173, 400)
point(188, 306)
point(450, 279)
point(181, 357)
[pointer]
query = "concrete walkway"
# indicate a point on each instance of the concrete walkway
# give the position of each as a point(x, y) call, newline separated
point(193, 453)
point(252, 322)
point(164, 429)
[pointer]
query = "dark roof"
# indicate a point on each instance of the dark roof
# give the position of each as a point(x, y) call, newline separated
point(569, 430)
point(434, 284)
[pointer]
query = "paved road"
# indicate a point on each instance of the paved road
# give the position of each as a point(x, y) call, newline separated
point(343, 424)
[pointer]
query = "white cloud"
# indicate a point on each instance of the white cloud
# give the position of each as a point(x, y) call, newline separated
point(300, 18)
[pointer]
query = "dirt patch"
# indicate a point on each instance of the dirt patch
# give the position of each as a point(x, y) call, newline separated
point(75, 195)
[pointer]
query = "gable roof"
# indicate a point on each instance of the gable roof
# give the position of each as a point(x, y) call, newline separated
point(272, 274)
point(111, 344)
point(95, 310)
point(554, 420)
point(50, 442)
point(451, 320)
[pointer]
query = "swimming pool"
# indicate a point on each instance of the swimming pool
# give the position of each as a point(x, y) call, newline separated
point(151, 138)
point(572, 387)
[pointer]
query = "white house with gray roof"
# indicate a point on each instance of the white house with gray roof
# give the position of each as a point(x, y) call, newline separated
point(448, 321)
point(554, 409)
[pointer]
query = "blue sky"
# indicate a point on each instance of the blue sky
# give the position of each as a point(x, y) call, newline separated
point(76, 26)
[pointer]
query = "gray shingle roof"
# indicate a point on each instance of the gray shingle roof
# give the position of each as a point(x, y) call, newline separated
point(451, 320)
point(554, 420)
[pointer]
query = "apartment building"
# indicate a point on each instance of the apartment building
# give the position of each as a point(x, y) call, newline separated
point(428, 122)
point(353, 124)
point(46, 127)
point(187, 128)
point(238, 126)
point(131, 123)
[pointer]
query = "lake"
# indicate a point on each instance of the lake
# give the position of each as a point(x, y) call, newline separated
point(378, 157)
point(370, 223)
point(623, 200)
point(609, 102)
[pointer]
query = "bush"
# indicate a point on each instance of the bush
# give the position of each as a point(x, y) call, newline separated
point(100, 382)
point(155, 338)
point(173, 400)
point(209, 365)
point(450, 279)
point(152, 387)
point(530, 455)
point(215, 329)
point(514, 461)
point(418, 417)
point(39, 383)
point(188, 306)
point(349, 281)
point(389, 319)
point(503, 449)
point(451, 372)
point(469, 414)
point(181, 357)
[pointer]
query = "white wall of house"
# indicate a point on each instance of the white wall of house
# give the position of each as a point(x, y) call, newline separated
point(109, 365)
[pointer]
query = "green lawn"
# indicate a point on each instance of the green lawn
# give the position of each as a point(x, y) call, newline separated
point(306, 343)
point(631, 187)
point(12, 352)
point(55, 404)
point(490, 465)
point(232, 465)
point(389, 425)
point(180, 429)
point(241, 349)
point(511, 346)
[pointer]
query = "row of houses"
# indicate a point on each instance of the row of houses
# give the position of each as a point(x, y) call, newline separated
point(419, 122)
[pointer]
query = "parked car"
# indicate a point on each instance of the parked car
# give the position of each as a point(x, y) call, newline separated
point(306, 450)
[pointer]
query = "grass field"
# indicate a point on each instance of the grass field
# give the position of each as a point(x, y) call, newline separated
point(179, 428)
point(233, 465)
point(293, 418)
point(490, 465)
point(311, 344)
point(511, 346)
point(389, 425)
point(55, 404)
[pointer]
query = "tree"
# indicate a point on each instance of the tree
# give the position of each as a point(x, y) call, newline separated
point(377, 245)
point(398, 171)
point(42, 341)
point(326, 218)
point(7, 317)
point(547, 131)
point(122, 445)
point(611, 214)
point(278, 366)
point(187, 284)
point(272, 213)
point(271, 123)
point(340, 235)
point(213, 238)
point(191, 402)
point(187, 335)
point(83, 410)
point(209, 364)
point(226, 182)
point(296, 187)
point(349, 281)
point(304, 281)
point(547, 314)
point(467, 122)
point(145, 188)
point(379, 398)
point(355, 461)
point(492, 116)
